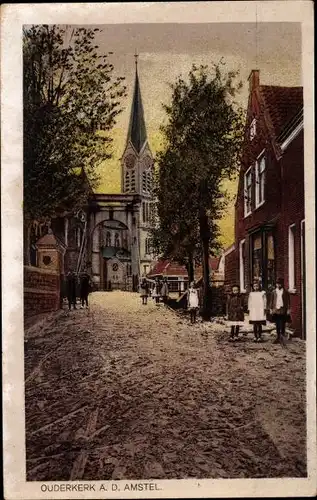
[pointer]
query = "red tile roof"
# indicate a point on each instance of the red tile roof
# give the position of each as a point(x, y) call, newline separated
point(282, 103)
point(167, 268)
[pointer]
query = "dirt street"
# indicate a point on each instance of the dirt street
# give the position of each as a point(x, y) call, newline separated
point(125, 391)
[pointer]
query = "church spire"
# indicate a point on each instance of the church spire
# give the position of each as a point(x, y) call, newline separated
point(137, 130)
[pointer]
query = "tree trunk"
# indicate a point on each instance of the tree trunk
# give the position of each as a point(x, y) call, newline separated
point(205, 236)
point(190, 269)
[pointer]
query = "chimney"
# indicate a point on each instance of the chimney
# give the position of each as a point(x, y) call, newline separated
point(254, 79)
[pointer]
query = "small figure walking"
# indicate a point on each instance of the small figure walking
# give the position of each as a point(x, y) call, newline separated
point(144, 291)
point(235, 312)
point(71, 289)
point(192, 302)
point(156, 291)
point(84, 289)
point(257, 310)
point(164, 291)
point(280, 310)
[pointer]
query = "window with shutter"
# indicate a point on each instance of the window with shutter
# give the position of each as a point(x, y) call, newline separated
point(133, 185)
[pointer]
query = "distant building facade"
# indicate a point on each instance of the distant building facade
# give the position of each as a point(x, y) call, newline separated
point(177, 275)
point(118, 242)
point(269, 210)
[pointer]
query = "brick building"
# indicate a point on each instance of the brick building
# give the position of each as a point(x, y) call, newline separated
point(269, 211)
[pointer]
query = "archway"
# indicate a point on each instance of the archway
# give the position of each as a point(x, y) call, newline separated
point(111, 242)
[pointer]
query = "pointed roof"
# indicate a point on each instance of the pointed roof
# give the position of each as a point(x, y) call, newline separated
point(137, 130)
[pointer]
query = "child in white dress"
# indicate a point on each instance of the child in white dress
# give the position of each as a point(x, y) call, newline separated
point(192, 302)
point(257, 311)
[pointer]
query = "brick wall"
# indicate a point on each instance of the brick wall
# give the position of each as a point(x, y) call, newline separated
point(41, 291)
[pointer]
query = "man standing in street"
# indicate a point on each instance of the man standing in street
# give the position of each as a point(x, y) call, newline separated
point(84, 289)
point(71, 289)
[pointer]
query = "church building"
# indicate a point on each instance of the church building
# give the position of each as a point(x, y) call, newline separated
point(117, 247)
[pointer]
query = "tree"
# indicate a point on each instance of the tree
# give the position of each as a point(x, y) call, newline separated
point(175, 234)
point(203, 137)
point(71, 99)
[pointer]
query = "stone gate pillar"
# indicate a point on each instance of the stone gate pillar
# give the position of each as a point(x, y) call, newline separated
point(50, 256)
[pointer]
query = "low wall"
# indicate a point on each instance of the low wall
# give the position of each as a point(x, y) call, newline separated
point(41, 291)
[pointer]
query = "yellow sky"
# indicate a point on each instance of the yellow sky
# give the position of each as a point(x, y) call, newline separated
point(169, 50)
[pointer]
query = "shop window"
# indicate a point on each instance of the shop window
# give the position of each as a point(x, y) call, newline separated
point(257, 264)
point(291, 257)
point(248, 192)
point(260, 181)
point(173, 284)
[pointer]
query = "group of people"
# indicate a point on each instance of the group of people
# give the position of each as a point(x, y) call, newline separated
point(75, 283)
point(155, 289)
point(260, 309)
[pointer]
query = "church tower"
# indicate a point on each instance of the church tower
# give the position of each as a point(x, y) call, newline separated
point(137, 169)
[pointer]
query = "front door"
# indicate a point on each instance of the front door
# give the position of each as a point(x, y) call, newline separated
point(115, 273)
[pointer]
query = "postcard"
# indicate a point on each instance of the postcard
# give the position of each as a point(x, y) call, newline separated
point(158, 250)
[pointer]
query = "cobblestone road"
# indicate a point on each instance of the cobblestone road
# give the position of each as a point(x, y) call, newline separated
point(125, 391)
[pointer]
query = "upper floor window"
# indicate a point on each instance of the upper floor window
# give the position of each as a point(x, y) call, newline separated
point(116, 240)
point(248, 192)
point(147, 181)
point(252, 129)
point(133, 185)
point(130, 184)
point(260, 181)
point(144, 182)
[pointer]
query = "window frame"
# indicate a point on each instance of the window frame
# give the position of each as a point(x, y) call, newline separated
point(259, 176)
point(245, 187)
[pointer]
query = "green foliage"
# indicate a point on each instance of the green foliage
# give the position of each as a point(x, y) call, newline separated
point(71, 101)
point(202, 141)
